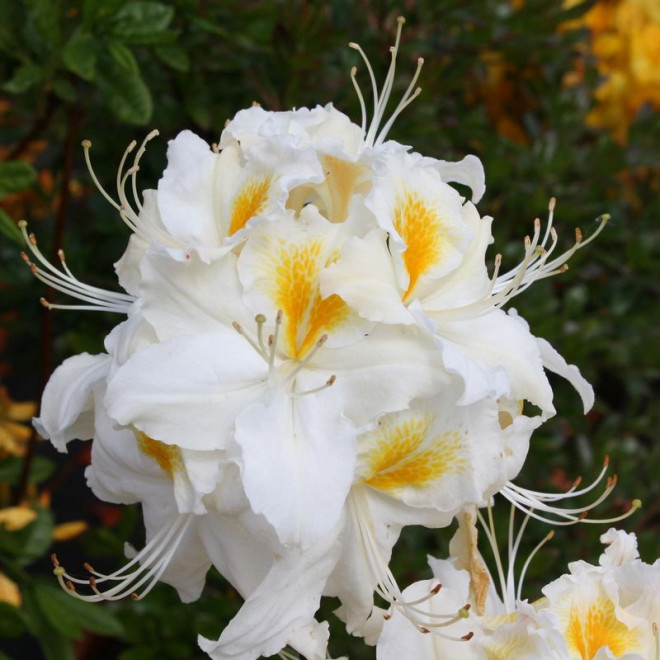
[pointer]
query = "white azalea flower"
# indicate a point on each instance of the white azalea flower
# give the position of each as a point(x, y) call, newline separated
point(611, 610)
point(422, 466)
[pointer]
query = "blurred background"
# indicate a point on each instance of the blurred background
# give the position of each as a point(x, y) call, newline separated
point(556, 99)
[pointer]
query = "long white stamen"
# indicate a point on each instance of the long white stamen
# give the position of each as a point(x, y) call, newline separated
point(410, 95)
point(65, 281)
point(363, 107)
point(374, 135)
point(386, 586)
point(152, 562)
point(531, 556)
point(136, 162)
point(129, 215)
point(489, 530)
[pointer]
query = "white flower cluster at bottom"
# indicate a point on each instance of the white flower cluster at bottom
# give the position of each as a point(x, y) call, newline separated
point(314, 356)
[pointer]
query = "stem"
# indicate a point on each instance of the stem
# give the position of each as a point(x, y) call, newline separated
point(74, 119)
point(39, 125)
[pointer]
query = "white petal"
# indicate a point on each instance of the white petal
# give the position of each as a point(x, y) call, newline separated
point(185, 193)
point(67, 407)
point(364, 277)
point(281, 609)
point(489, 351)
point(297, 456)
point(191, 297)
point(469, 172)
point(381, 373)
point(188, 391)
point(555, 362)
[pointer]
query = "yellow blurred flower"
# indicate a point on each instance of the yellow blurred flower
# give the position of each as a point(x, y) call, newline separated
point(625, 39)
point(9, 591)
point(69, 530)
point(13, 434)
point(14, 518)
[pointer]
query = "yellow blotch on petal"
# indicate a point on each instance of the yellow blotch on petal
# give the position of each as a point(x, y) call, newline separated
point(16, 517)
point(598, 627)
point(250, 201)
point(421, 228)
point(167, 456)
point(9, 591)
point(405, 455)
point(295, 290)
point(69, 530)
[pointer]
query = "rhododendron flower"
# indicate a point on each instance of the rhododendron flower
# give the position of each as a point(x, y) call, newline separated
point(314, 355)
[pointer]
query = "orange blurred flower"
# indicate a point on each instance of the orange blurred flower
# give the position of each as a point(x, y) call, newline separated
point(14, 434)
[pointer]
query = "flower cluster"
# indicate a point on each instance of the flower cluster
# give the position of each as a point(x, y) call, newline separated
point(314, 355)
point(596, 612)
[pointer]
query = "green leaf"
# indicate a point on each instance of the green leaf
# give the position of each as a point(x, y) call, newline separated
point(12, 621)
point(70, 616)
point(142, 22)
point(15, 176)
point(64, 90)
point(45, 20)
point(9, 230)
point(79, 55)
point(174, 56)
point(125, 93)
point(54, 644)
point(11, 467)
point(24, 77)
point(30, 542)
point(123, 56)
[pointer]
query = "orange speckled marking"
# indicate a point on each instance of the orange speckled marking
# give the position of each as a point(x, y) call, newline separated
point(597, 627)
point(420, 227)
point(406, 456)
point(306, 316)
point(249, 202)
point(167, 456)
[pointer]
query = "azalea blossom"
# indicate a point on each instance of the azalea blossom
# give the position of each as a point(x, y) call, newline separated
point(604, 611)
point(313, 356)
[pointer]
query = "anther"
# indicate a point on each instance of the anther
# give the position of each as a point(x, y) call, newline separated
point(552, 204)
point(54, 560)
point(387, 617)
point(92, 582)
point(88, 567)
point(436, 589)
point(468, 637)
point(424, 630)
point(578, 235)
point(214, 148)
point(135, 596)
point(61, 255)
point(237, 326)
point(577, 482)
point(331, 381)
point(45, 303)
point(70, 586)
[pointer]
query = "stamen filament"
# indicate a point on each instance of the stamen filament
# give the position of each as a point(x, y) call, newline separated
point(386, 586)
point(153, 560)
